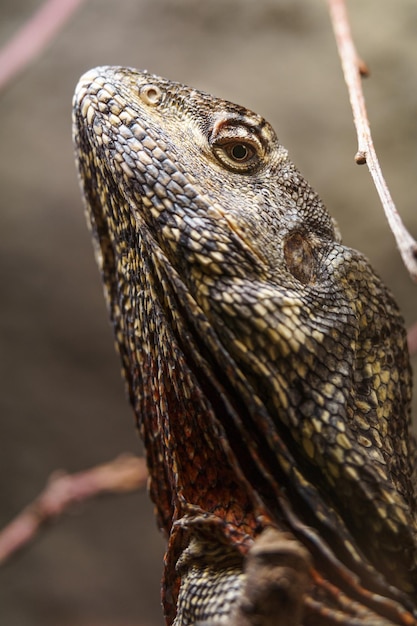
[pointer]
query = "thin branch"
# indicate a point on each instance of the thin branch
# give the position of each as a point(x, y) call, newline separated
point(124, 474)
point(34, 36)
point(352, 67)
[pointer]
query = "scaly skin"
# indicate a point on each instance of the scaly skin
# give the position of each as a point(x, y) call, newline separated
point(265, 361)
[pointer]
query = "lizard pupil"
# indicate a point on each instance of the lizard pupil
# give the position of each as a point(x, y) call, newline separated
point(240, 152)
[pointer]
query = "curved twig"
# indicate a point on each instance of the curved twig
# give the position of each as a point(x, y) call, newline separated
point(126, 473)
point(353, 67)
point(34, 36)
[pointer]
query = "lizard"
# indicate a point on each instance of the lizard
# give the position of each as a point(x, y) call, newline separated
point(265, 361)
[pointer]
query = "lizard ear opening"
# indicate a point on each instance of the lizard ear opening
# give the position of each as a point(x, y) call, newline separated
point(299, 257)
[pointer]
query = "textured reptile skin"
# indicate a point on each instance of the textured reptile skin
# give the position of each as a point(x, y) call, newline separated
point(265, 361)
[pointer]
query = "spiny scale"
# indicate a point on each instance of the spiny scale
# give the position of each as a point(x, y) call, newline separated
point(265, 361)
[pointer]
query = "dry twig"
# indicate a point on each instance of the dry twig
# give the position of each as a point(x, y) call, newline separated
point(34, 36)
point(126, 473)
point(353, 67)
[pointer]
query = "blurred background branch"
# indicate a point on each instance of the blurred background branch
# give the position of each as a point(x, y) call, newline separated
point(126, 473)
point(33, 37)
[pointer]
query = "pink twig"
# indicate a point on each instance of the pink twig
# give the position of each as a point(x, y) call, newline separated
point(34, 36)
point(126, 473)
point(352, 69)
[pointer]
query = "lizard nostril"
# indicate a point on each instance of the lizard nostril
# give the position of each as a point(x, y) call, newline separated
point(150, 94)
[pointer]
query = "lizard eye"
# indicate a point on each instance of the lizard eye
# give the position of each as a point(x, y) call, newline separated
point(239, 152)
point(238, 155)
point(237, 143)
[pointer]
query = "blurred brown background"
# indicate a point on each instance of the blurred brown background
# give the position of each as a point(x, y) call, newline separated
point(62, 400)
